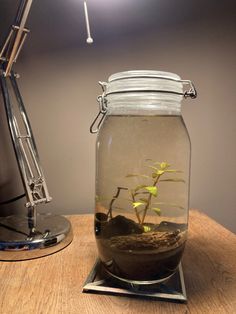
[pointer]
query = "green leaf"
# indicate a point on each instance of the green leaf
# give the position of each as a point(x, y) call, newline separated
point(146, 228)
point(139, 187)
point(157, 210)
point(164, 165)
point(137, 204)
point(173, 170)
point(130, 175)
point(173, 180)
point(160, 172)
point(152, 190)
point(152, 167)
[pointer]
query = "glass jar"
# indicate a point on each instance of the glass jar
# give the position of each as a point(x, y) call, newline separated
point(142, 175)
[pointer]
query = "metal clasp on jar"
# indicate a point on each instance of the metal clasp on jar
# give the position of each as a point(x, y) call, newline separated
point(192, 92)
point(97, 122)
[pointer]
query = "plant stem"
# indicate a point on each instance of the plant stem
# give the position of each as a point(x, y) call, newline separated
point(109, 213)
point(136, 211)
point(149, 200)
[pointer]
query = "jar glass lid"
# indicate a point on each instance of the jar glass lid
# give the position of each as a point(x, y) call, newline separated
point(148, 81)
point(141, 82)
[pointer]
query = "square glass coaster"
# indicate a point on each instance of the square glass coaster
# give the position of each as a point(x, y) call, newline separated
point(98, 281)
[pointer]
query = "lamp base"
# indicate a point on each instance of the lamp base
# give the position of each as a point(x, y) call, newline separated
point(19, 240)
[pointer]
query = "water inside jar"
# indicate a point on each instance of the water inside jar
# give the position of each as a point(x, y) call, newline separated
point(142, 195)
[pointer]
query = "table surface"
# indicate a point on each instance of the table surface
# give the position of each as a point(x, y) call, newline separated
point(53, 284)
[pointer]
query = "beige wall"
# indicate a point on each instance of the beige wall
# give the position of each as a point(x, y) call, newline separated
point(60, 90)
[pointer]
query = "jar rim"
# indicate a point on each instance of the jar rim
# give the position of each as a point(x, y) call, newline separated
point(144, 81)
point(152, 74)
point(148, 81)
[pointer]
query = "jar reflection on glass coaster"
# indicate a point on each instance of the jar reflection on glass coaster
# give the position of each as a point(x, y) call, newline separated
point(142, 175)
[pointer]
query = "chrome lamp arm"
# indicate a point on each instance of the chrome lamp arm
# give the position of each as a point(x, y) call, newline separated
point(21, 133)
point(42, 231)
point(16, 38)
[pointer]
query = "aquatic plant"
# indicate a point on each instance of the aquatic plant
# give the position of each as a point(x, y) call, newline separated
point(144, 197)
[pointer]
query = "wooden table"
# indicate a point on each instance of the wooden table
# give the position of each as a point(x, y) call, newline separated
point(53, 284)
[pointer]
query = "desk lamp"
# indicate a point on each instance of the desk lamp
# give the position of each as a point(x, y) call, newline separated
point(29, 235)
